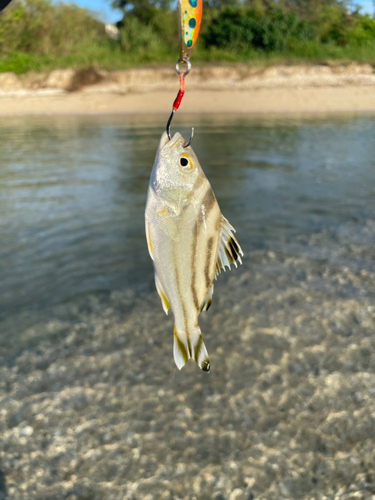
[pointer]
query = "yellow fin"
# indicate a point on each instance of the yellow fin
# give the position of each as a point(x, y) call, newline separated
point(193, 346)
point(180, 352)
point(163, 297)
point(148, 238)
point(200, 354)
point(229, 251)
point(208, 299)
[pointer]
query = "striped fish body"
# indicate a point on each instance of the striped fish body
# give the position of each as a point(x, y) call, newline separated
point(185, 231)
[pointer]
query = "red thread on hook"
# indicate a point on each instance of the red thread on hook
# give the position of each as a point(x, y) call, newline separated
point(180, 93)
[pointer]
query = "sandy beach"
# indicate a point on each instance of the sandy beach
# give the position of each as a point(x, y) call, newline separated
point(294, 100)
point(280, 90)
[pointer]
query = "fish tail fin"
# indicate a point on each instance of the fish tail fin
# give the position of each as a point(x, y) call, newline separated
point(199, 351)
point(180, 351)
point(193, 347)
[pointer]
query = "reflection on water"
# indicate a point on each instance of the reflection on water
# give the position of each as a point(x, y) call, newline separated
point(72, 195)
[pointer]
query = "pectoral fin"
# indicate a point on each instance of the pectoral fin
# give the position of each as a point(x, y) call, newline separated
point(163, 297)
point(229, 251)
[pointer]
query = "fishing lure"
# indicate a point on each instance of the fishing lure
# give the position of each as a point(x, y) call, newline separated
point(189, 17)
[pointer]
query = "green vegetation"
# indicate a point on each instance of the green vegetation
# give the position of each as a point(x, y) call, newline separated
point(40, 35)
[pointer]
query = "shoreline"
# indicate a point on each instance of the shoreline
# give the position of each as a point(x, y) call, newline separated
point(238, 90)
point(251, 102)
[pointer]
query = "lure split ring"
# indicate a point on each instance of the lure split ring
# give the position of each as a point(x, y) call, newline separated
point(188, 67)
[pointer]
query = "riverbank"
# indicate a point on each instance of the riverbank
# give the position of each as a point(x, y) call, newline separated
point(237, 89)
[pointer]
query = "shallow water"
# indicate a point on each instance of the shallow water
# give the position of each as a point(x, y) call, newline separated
point(72, 195)
point(91, 402)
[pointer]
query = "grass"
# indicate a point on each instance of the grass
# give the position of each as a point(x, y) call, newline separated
point(309, 52)
point(105, 55)
point(109, 56)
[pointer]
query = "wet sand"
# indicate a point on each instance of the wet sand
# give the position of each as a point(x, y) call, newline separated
point(254, 101)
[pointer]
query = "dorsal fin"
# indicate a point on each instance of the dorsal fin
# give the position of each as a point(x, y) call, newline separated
point(229, 251)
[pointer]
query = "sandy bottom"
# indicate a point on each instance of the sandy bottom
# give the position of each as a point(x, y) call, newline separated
point(255, 101)
point(96, 409)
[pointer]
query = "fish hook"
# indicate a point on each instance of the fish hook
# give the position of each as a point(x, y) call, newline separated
point(168, 130)
point(186, 144)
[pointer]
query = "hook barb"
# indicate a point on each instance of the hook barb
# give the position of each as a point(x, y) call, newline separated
point(187, 144)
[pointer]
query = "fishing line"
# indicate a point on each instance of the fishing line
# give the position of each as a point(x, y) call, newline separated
point(189, 20)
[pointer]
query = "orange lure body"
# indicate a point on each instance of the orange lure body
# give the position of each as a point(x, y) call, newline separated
point(189, 15)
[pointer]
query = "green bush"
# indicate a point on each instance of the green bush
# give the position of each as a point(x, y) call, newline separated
point(239, 28)
point(138, 37)
point(158, 34)
point(232, 28)
point(44, 28)
point(333, 25)
point(363, 31)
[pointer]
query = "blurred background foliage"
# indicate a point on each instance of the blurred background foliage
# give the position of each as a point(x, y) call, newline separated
point(41, 34)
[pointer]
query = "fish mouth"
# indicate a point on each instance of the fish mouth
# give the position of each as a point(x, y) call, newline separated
point(163, 140)
point(169, 144)
point(166, 144)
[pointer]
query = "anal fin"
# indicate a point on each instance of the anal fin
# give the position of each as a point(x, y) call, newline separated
point(180, 352)
point(207, 300)
point(229, 251)
point(163, 297)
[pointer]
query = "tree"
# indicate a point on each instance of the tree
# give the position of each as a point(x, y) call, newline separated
point(139, 5)
point(310, 9)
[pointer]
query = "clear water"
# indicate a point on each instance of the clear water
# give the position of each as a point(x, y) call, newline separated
point(72, 196)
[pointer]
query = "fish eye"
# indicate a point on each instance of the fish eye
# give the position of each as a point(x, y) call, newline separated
point(185, 162)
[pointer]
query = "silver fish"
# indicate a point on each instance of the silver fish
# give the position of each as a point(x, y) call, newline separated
point(189, 242)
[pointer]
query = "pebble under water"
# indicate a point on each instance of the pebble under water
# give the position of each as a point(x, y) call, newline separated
point(91, 403)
